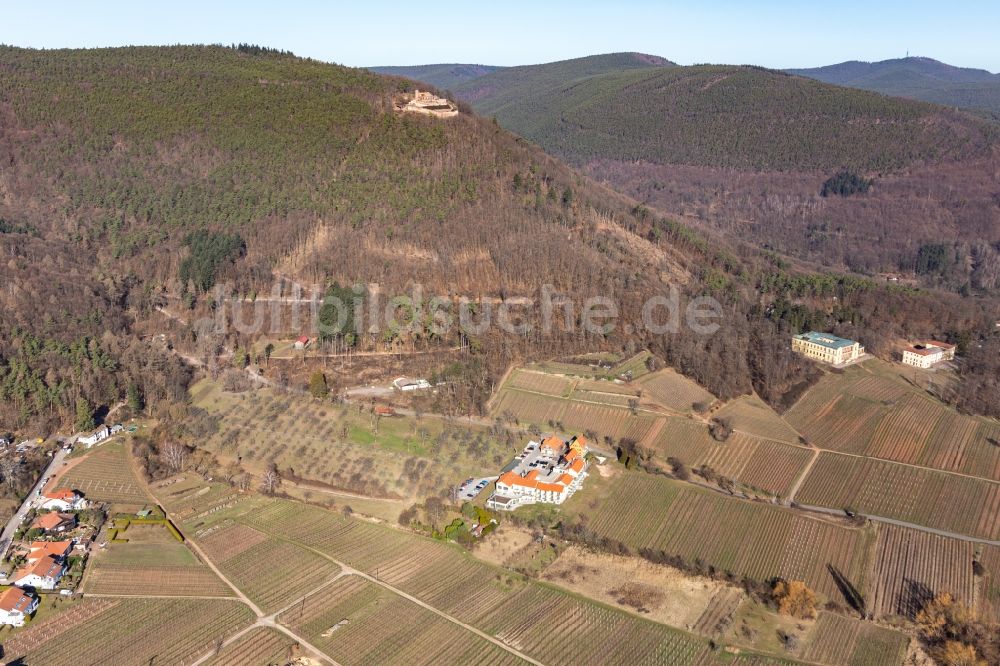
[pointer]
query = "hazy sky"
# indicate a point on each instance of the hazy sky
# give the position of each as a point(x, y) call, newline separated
point(773, 33)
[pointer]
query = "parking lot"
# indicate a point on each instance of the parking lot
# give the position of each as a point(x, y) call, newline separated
point(471, 488)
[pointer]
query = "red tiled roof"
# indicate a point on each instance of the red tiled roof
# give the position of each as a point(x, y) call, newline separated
point(47, 567)
point(553, 442)
point(68, 495)
point(41, 549)
point(15, 599)
point(52, 520)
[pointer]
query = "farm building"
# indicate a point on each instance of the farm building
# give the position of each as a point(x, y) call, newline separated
point(384, 410)
point(302, 342)
point(44, 574)
point(548, 472)
point(927, 354)
point(407, 384)
point(55, 521)
point(827, 348)
point(15, 606)
point(98, 435)
point(62, 500)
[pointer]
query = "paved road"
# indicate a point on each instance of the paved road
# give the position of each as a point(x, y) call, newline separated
point(18, 518)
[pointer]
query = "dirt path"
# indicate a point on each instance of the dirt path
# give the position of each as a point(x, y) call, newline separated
point(803, 475)
point(348, 570)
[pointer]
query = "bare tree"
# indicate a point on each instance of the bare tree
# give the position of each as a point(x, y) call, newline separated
point(174, 455)
point(270, 480)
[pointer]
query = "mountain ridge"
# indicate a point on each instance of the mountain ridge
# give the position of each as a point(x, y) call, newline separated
point(919, 78)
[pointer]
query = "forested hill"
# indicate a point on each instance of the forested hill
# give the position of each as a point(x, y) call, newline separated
point(721, 116)
point(917, 78)
point(512, 82)
point(758, 154)
point(443, 76)
point(129, 173)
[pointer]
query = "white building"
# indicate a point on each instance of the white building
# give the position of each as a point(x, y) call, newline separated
point(927, 354)
point(407, 384)
point(44, 574)
point(16, 606)
point(62, 500)
point(827, 348)
point(98, 435)
point(549, 477)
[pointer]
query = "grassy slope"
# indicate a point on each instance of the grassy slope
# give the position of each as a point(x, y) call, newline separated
point(723, 116)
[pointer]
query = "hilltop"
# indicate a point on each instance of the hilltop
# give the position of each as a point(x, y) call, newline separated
point(444, 76)
point(719, 116)
point(917, 78)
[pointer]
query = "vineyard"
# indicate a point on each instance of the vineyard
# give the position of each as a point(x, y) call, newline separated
point(751, 415)
point(547, 624)
point(838, 640)
point(989, 600)
point(541, 382)
point(270, 572)
point(256, 647)
point(755, 540)
point(911, 567)
point(151, 563)
point(878, 417)
point(561, 629)
point(358, 623)
point(673, 391)
point(768, 466)
point(917, 495)
point(104, 475)
point(128, 631)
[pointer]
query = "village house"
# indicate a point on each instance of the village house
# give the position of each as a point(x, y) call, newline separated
point(98, 435)
point(927, 354)
point(62, 500)
point(16, 606)
point(827, 348)
point(44, 574)
point(54, 521)
point(39, 550)
point(549, 473)
point(302, 342)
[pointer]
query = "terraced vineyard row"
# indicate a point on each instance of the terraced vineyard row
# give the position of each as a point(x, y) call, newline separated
point(542, 382)
point(838, 640)
point(259, 646)
point(270, 572)
point(764, 465)
point(105, 476)
point(132, 631)
point(749, 539)
point(547, 624)
point(917, 495)
point(560, 629)
point(882, 418)
point(358, 623)
point(989, 600)
point(673, 390)
point(912, 566)
point(751, 415)
point(188, 581)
